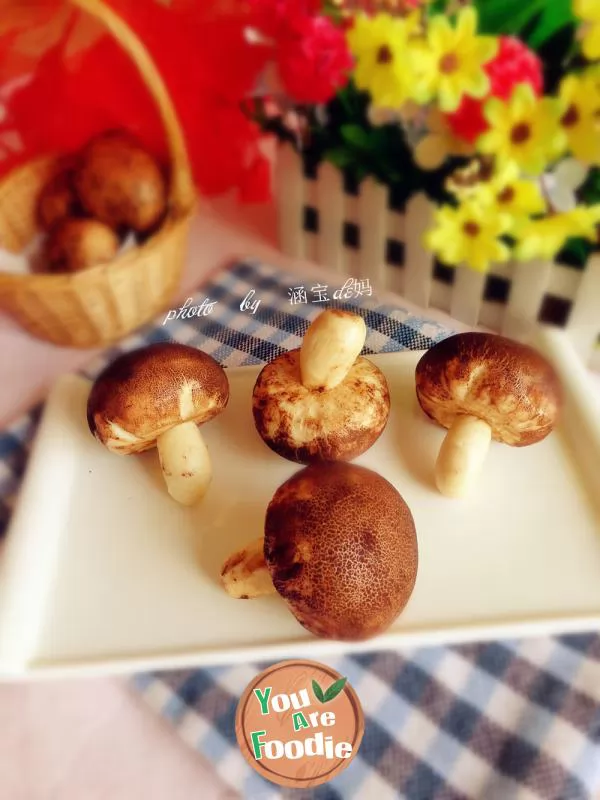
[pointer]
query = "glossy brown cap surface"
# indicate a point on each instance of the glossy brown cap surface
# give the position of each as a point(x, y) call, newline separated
point(507, 384)
point(341, 547)
point(148, 391)
point(311, 425)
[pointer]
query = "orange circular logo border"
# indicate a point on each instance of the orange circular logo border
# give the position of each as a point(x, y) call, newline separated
point(271, 774)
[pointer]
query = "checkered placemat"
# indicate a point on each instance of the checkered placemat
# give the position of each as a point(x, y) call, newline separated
point(496, 721)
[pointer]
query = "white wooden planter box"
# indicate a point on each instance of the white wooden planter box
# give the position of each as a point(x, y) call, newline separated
point(359, 235)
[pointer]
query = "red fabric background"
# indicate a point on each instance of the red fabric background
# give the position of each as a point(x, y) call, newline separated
point(83, 83)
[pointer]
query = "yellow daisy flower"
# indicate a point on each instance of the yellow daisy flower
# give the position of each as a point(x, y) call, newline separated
point(585, 221)
point(466, 182)
point(505, 192)
point(580, 98)
point(451, 64)
point(524, 130)
point(469, 236)
point(383, 68)
point(439, 143)
point(589, 12)
point(544, 238)
point(513, 195)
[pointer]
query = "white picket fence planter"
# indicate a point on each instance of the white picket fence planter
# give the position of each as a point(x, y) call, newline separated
point(359, 236)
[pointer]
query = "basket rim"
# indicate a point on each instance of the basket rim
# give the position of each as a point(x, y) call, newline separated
point(155, 243)
point(175, 216)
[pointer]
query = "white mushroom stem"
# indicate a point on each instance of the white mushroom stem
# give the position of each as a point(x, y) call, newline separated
point(185, 463)
point(330, 347)
point(462, 456)
point(245, 574)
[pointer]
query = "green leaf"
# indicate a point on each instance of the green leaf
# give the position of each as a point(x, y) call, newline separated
point(334, 690)
point(339, 157)
point(346, 99)
point(497, 16)
point(590, 191)
point(357, 136)
point(318, 692)
point(575, 253)
point(541, 19)
point(524, 22)
point(554, 17)
point(436, 7)
point(559, 56)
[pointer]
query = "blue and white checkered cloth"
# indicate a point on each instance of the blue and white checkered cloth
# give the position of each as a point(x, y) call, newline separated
point(512, 720)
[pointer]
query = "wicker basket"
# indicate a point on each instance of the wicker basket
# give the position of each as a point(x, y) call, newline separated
point(97, 306)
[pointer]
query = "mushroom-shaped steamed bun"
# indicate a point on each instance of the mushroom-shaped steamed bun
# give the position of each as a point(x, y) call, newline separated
point(77, 244)
point(157, 396)
point(482, 387)
point(119, 183)
point(322, 402)
point(341, 549)
point(57, 200)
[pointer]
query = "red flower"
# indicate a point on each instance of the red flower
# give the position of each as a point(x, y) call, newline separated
point(229, 153)
point(101, 89)
point(378, 6)
point(515, 63)
point(315, 62)
point(310, 51)
point(277, 18)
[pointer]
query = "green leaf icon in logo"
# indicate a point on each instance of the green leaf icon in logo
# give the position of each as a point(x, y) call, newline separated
point(318, 692)
point(335, 689)
point(331, 693)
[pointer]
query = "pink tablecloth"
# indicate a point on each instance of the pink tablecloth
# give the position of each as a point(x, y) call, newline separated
point(61, 741)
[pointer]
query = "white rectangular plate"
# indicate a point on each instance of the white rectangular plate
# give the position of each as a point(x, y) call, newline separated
point(104, 572)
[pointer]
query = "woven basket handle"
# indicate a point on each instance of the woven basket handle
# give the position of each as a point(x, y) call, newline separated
point(182, 184)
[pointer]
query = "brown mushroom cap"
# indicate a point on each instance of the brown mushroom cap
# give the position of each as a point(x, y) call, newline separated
point(57, 200)
point(146, 392)
point(308, 425)
point(507, 384)
point(341, 547)
point(77, 244)
point(120, 183)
